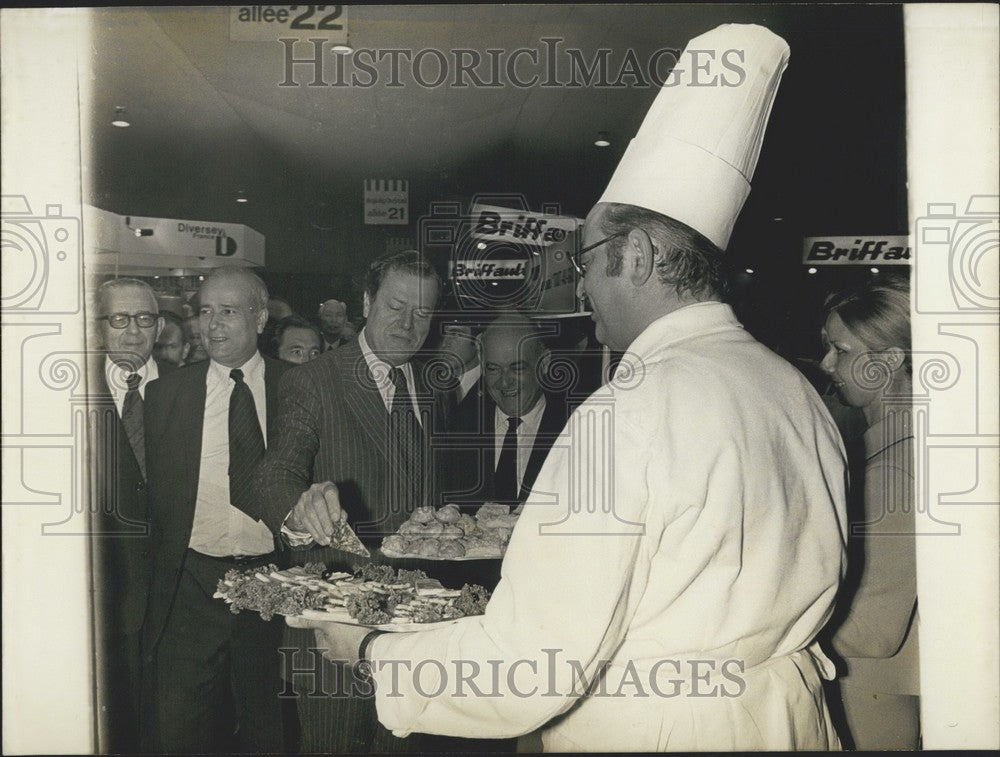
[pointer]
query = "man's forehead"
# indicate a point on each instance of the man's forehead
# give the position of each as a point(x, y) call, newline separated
point(592, 225)
point(399, 282)
point(225, 290)
point(513, 343)
point(124, 297)
point(171, 330)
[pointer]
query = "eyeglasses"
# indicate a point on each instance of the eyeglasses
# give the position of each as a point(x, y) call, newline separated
point(577, 259)
point(121, 320)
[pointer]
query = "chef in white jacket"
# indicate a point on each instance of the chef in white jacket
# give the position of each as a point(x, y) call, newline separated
point(684, 540)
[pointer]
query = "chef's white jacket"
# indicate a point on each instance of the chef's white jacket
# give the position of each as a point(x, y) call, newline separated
point(679, 552)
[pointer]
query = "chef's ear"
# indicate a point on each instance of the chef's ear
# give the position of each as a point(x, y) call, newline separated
point(638, 254)
point(366, 305)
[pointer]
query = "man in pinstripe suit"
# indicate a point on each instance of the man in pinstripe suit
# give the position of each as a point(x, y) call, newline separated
point(339, 438)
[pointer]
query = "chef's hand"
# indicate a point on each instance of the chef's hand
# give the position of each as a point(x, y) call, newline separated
point(338, 642)
point(316, 512)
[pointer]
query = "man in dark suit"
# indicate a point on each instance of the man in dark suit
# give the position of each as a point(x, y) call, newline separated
point(505, 427)
point(354, 424)
point(128, 326)
point(213, 677)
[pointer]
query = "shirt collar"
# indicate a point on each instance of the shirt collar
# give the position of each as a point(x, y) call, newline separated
point(253, 369)
point(378, 367)
point(115, 375)
point(529, 417)
point(683, 323)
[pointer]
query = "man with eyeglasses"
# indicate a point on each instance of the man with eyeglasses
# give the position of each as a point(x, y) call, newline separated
point(128, 324)
point(211, 678)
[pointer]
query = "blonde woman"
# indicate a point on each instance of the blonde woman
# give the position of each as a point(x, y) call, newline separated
point(867, 341)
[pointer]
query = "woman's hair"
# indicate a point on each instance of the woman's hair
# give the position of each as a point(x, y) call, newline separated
point(877, 312)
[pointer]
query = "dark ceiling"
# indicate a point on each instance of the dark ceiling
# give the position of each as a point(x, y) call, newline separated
point(210, 118)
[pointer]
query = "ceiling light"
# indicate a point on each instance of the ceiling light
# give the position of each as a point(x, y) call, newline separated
point(602, 140)
point(874, 269)
point(779, 218)
point(481, 246)
point(241, 196)
point(342, 48)
point(749, 270)
point(119, 119)
point(812, 271)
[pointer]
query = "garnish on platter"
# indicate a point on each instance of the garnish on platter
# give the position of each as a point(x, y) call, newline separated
point(376, 595)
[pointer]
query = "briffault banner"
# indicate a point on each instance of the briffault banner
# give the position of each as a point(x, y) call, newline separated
point(857, 250)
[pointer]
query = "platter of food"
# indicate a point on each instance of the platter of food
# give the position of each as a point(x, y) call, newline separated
point(447, 533)
point(376, 596)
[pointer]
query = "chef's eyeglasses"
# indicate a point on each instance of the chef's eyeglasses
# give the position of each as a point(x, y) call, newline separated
point(577, 258)
point(143, 320)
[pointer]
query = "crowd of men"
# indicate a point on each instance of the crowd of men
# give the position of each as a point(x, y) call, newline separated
point(679, 547)
point(221, 458)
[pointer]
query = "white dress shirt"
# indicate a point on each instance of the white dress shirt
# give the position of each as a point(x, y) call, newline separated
point(115, 376)
point(526, 433)
point(382, 373)
point(219, 529)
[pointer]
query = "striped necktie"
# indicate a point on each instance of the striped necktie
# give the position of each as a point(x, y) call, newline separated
point(132, 420)
point(246, 441)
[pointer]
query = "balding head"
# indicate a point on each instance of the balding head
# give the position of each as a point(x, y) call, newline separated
point(332, 319)
point(514, 358)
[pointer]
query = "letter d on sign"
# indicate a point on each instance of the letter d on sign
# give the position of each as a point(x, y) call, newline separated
point(230, 247)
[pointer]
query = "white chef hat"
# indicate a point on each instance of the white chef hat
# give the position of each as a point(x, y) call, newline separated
point(696, 151)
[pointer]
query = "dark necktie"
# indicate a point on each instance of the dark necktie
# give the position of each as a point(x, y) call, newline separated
point(401, 402)
point(246, 442)
point(408, 480)
point(132, 420)
point(505, 478)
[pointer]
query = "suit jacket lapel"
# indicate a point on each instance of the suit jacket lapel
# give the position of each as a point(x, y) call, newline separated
point(272, 375)
point(103, 398)
point(552, 421)
point(189, 414)
point(361, 395)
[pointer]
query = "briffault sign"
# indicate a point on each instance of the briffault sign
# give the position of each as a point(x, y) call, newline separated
point(856, 250)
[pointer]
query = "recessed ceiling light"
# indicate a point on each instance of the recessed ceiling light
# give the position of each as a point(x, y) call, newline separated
point(481, 246)
point(779, 218)
point(749, 270)
point(812, 271)
point(119, 119)
point(874, 269)
point(241, 196)
point(342, 49)
point(602, 140)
